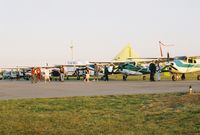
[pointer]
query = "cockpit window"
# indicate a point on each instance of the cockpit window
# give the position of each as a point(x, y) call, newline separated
point(181, 58)
point(190, 60)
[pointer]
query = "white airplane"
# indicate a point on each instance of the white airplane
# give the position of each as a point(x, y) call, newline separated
point(182, 65)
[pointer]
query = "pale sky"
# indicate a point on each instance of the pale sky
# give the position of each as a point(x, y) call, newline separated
point(34, 32)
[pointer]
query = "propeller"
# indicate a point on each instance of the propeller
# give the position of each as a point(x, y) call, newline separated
point(172, 66)
point(168, 57)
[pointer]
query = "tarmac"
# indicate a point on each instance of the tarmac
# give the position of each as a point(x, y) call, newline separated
point(25, 89)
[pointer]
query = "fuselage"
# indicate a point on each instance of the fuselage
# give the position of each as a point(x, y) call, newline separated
point(184, 66)
point(130, 69)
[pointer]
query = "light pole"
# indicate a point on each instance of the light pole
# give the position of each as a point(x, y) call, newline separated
point(72, 50)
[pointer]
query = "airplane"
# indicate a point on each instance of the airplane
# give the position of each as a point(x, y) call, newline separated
point(182, 65)
point(138, 69)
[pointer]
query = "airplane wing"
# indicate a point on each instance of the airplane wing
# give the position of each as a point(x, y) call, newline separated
point(103, 63)
point(72, 65)
point(150, 59)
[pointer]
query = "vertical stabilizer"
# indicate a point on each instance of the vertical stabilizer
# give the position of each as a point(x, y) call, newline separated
point(126, 53)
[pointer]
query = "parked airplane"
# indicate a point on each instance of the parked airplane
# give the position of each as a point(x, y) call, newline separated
point(182, 65)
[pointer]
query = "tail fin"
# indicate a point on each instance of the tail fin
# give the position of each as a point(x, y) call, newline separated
point(126, 53)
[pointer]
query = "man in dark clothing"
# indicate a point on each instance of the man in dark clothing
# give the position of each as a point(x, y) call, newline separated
point(152, 68)
point(106, 72)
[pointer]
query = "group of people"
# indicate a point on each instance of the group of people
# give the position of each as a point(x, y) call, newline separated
point(37, 74)
point(96, 73)
point(155, 68)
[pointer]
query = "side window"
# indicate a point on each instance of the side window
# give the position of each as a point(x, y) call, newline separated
point(190, 60)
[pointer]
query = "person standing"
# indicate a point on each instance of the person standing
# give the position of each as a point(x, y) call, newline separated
point(33, 75)
point(62, 73)
point(87, 75)
point(18, 75)
point(46, 75)
point(77, 74)
point(106, 72)
point(152, 68)
point(96, 72)
point(158, 70)
point(24, 74)
point(36, 75)
point(39, 76)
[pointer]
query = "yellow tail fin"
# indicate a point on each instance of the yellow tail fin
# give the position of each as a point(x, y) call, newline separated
point(126, 53)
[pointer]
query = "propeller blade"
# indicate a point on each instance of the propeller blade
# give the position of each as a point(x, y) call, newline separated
point(168, 57)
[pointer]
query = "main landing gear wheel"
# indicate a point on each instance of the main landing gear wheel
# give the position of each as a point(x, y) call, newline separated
point(198, 77)
point(173, 78)
point(144, 78)
point(124, 77)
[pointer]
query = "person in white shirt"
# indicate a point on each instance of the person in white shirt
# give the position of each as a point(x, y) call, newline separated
point(158, 70)
point(87, 75)
point(62, 74)
point(46, 75)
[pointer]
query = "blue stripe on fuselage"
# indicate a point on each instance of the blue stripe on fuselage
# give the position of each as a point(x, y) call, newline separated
point(179, 63)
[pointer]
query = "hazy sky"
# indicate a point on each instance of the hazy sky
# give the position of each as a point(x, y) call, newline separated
point(33, 32)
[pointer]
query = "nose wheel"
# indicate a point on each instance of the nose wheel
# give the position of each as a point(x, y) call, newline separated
point(174, 78)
